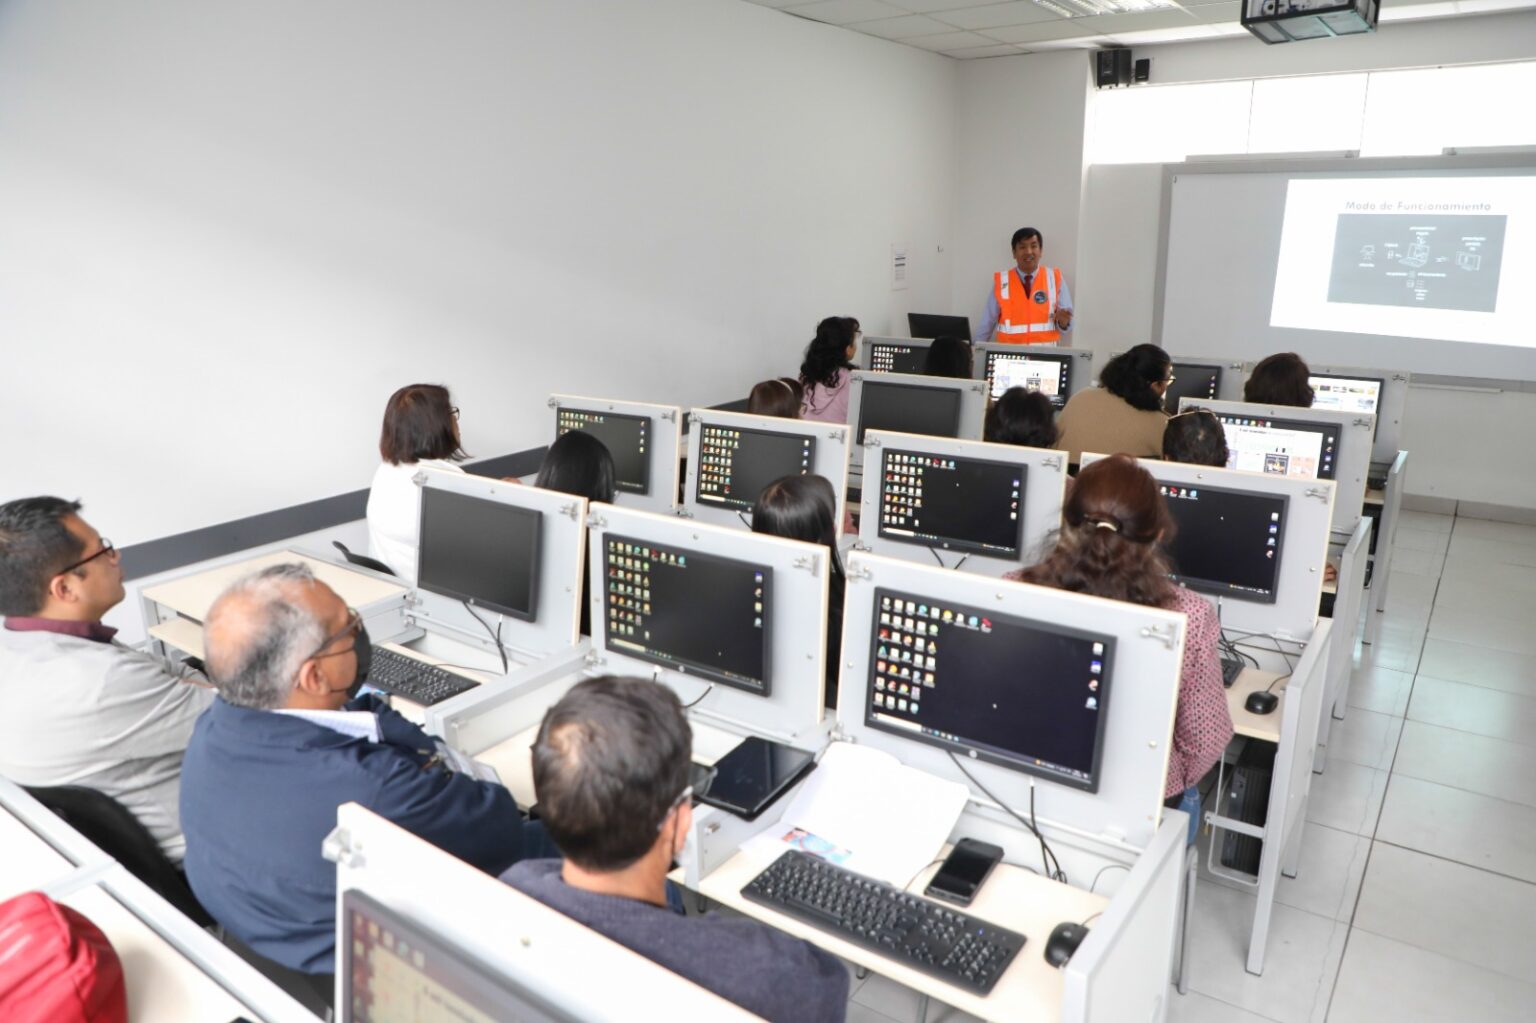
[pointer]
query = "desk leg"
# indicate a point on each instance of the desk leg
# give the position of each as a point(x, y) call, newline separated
point(922, 1009)
point(1290, 856)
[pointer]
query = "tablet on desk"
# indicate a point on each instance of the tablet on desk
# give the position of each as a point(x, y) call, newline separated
point(751, 777)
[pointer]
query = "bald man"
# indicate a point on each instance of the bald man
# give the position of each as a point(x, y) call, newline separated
point(288, 741)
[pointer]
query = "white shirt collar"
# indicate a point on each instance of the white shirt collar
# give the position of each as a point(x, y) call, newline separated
point(359, 724)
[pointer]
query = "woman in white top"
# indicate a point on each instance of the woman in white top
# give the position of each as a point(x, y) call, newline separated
point(421, 430)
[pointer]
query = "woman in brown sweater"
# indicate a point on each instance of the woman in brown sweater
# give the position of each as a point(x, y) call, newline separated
point(1124, 415)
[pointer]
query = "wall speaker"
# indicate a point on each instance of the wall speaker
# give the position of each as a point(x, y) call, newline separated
point(1112, 68)
point(1144, 70)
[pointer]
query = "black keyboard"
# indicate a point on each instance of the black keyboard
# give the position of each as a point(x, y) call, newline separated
point(921, 934)
point(1230, 670)
point(414, 680)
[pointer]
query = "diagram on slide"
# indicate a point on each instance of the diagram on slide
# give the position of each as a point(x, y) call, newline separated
point(1437, 261)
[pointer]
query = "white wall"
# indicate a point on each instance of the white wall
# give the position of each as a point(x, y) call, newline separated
point(231, 229)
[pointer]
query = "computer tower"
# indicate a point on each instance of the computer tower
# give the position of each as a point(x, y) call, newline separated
point(1247, 799)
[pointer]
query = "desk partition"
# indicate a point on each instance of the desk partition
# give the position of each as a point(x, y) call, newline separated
point(1390, 404)
point(960, 407)
point(721, 493)
point(647, 475)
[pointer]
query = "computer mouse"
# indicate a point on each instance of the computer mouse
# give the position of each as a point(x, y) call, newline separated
point(1261, 702)
point(1063, 942)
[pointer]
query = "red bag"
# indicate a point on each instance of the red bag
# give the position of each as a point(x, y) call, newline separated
point(56, 966)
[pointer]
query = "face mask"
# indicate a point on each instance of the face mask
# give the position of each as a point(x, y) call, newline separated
point(682, 857)
point(362, 649)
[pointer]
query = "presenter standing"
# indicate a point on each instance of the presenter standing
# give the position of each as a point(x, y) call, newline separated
point(1029, 303)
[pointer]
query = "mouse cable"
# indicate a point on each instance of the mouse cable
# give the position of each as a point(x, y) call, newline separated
point(707, 690)
point(495, 634)
point(1112, 866)
point(1046, 855)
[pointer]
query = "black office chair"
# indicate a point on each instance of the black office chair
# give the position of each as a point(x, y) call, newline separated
point(362, 560)
point(114, 829)
point(315, 991)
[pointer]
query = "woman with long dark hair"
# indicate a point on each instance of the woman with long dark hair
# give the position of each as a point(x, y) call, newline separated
point(1124, 415)
point(825, 373)
point(1022, 417)
point(1280, 379)
point(580, 464)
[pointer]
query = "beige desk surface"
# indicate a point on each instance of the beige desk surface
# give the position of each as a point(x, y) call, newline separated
point(1012, 897)
point(194, 594)
point(30, 862)
point(1375, 497)
point(1245, 721)
point(163, 986)
point(513, 758)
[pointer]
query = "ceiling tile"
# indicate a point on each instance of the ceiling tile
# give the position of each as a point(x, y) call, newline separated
point(904, 27)
point(1059, 29)
point(774, 3)
point(845, 12)
point(1019, 12)
point(951, 41)
point(1110, 24)
point(974, 53)
point(930, 6)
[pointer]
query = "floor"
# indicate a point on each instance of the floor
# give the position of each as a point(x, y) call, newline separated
point(1416, 896)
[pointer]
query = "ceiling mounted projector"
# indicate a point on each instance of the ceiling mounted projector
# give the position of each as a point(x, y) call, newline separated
point(1288, 21)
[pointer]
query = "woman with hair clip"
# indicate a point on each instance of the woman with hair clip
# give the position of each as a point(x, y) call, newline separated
point(825, 373)
point(1110, 546)
point(805, 508)
point(578, 463)
point(780, 397)
point(1124, 415)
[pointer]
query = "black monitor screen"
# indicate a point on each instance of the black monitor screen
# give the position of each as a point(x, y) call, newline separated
point(909, 408)
point(931, 325)
point(395, 969)
point(626, 437)
point(1051, 375)
point(885, 357)
point(1192, 380)
point(736, 464)
point(479, 551)
point(1280, 447)
point(1227, 541)
point(967, 504)
point(1025, 694)
point(694, 613)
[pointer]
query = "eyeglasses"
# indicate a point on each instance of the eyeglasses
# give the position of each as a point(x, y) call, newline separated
point(106, 548)
point(682, 797)
point(354, 624)
point(455, 410)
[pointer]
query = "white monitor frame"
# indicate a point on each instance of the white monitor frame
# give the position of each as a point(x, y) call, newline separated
point(666, 447)
point(829, 461)
point(562, 542)
point(1389, 406)
point(1352, 464)
point(973, 405)
point(865, 355)
point(1045, 482)
point(1082, 375)
point(1303, 545)
point(1149, 648)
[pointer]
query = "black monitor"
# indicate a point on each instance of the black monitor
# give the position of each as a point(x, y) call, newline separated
point(482, 552)
point(1281, 447)
point(895, 357)
point(695, 613)
point(1348, 394)
point(1194, 380)
point(931, 325)
point(1051, 375)
point(965, 504)
point(393, 968)
point(909, 408)
point(1025, 694)
point(626, 437)
point(1227, 542)
point(736, 463)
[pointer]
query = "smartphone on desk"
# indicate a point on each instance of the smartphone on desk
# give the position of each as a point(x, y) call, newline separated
point(968, 865)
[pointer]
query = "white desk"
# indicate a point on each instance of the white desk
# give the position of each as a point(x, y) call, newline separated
point(29, 861)
point(1245, 721)
point(1012, 897)
point(191, 596)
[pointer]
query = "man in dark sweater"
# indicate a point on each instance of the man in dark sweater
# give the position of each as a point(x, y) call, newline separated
point(610, 769)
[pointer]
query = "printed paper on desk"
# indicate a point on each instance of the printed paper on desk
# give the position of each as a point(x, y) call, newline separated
point(893, 820)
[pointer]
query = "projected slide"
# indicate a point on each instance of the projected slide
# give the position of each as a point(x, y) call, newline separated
point(1444, 258)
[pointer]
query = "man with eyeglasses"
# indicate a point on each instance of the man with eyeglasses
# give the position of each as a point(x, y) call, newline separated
point(289, 740)
point(76, 706)
point(611, 769)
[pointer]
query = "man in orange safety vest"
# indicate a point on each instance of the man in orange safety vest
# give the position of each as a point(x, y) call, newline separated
point(1029, 304)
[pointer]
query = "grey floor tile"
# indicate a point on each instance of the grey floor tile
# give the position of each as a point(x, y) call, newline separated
point(1197, 1008)
point(890, 999)
point(1426, 521)
point(1462, 760)
point(1458, 911)
point(1380, 689)
point(1364, 737)
point(1480, 630)
point(1382, 979)
point(1411, 539)
point(1327, 876)
point(860, 1013)
point(1503, 532)
point(1347, 797)
point(1493, 669)
point(1418, 562)
point(1474, 708)
point(1479, 831)
point(1498, 574)
point(1477, 550)
point(1299, 966)
point(1478, 597)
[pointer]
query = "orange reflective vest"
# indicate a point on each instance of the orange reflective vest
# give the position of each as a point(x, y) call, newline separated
point(1027, 318)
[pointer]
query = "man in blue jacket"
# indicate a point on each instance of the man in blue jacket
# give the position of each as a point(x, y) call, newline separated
point(287, 742)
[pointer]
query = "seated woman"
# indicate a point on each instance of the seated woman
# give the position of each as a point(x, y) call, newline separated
point(578, 463)
point(1124, 415)
point(1281, 379)
point(1196, 437)
point(781, 397)
point(805, 508)
point(1111, 525)
point(1021, 417)
point(949, 357)
point(825, 371)
point(421, 430)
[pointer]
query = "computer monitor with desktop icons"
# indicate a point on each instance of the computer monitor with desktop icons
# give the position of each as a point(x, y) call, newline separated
point(1280, 447)
point(1051, 375)
point(951, 503)
point(1227, 542)
point(645, 441)
point(737, 462)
